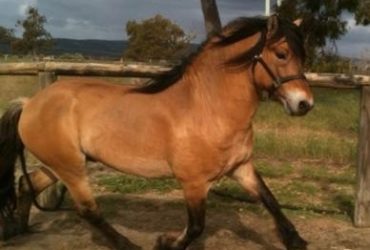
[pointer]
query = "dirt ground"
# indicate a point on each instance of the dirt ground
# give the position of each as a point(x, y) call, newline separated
point(143, 217)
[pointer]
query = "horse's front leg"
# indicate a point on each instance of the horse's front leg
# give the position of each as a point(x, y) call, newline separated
point(252, 182)
point(195, 198)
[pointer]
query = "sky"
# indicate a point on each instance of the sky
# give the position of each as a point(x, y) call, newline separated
point(106, 19)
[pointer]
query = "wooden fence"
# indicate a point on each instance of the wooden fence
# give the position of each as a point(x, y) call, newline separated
point(48, 71)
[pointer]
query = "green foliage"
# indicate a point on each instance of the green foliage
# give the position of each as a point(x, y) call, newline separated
point(362, 15)
point(6, 35)
point(331, 63)
point(323, 21)
point(155, 38)
point(35, 38)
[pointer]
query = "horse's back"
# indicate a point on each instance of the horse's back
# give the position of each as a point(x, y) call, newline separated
point(48, 123)
point(100, 120)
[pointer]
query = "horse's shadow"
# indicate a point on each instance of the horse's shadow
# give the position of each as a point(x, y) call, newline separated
point(157, 216)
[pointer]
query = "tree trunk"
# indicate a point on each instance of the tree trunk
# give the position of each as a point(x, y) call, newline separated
point(211, 17)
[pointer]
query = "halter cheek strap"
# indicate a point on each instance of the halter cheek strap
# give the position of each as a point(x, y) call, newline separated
point(277, 81)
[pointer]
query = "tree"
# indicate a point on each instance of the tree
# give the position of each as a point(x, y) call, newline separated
point(324, 21)
point(6, 35)
point(155, 38)
point(35, 38)
point(362, 14)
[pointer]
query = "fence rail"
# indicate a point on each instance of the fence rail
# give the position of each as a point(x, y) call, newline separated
point(147, 70)
point(47, 72)
point(80, 69)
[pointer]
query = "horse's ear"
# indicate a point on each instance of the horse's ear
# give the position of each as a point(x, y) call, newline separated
point(298, 22)
point(272, 25)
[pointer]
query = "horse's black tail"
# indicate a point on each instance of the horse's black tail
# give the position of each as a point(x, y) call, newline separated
point(11, 147)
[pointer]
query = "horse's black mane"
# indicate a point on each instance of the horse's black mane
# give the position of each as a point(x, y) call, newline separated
point(238, 30)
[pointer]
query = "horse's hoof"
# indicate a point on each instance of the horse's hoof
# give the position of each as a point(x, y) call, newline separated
point(9, 229)
point(297, 243)
point(125, 244)
point(167, 242)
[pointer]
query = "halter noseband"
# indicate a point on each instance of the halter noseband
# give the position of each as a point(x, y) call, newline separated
point(277, 81)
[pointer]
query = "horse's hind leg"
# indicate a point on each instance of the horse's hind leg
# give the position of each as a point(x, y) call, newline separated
point(195, 197)
point(252, 182)
point(40, 179)
point(76, 180)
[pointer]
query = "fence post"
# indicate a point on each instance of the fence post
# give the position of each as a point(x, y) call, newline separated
point(362, 203)
point(46, 78)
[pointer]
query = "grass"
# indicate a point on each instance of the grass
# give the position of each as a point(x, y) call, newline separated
point(133, 184)
point(335, 111)
point(345, 176)
point(328, 132)
point(276, 171)
point(12, 87)
point(308, 162)
point(286, 144)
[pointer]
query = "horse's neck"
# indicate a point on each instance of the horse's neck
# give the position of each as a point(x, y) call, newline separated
point(222, 94)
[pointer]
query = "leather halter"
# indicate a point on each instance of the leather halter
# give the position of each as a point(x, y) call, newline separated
point(277, 81)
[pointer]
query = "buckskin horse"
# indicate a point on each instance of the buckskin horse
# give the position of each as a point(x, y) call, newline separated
point(193, 123)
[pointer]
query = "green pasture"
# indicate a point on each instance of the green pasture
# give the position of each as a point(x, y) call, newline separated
point(309, 162)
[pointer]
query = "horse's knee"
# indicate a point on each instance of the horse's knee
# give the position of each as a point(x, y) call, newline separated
point(246, 176)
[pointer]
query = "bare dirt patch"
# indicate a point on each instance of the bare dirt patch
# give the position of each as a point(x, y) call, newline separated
point(143, 217)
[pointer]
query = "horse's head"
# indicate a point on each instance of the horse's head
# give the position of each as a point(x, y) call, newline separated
point(273, 52)
point(279, 67)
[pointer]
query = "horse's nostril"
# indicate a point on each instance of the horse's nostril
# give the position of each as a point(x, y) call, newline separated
point(303, 106)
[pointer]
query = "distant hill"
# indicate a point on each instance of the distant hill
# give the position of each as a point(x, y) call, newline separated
point(88, 48)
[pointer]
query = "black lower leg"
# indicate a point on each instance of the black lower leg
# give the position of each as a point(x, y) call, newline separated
point(287, 231)
point(24, 204)
point(196, 221)
point(98, 222)
point(9, 223)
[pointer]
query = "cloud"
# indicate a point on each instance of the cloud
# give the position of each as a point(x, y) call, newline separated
point(22, 9)
point(106, 19)
point(355, 41)
point(23, 6)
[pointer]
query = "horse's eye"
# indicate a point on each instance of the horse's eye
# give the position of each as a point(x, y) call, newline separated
point(281, 55)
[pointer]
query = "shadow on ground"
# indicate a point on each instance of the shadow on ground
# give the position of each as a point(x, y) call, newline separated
point(142, 219)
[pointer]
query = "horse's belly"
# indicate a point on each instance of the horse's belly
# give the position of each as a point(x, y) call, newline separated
point(150, 168)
